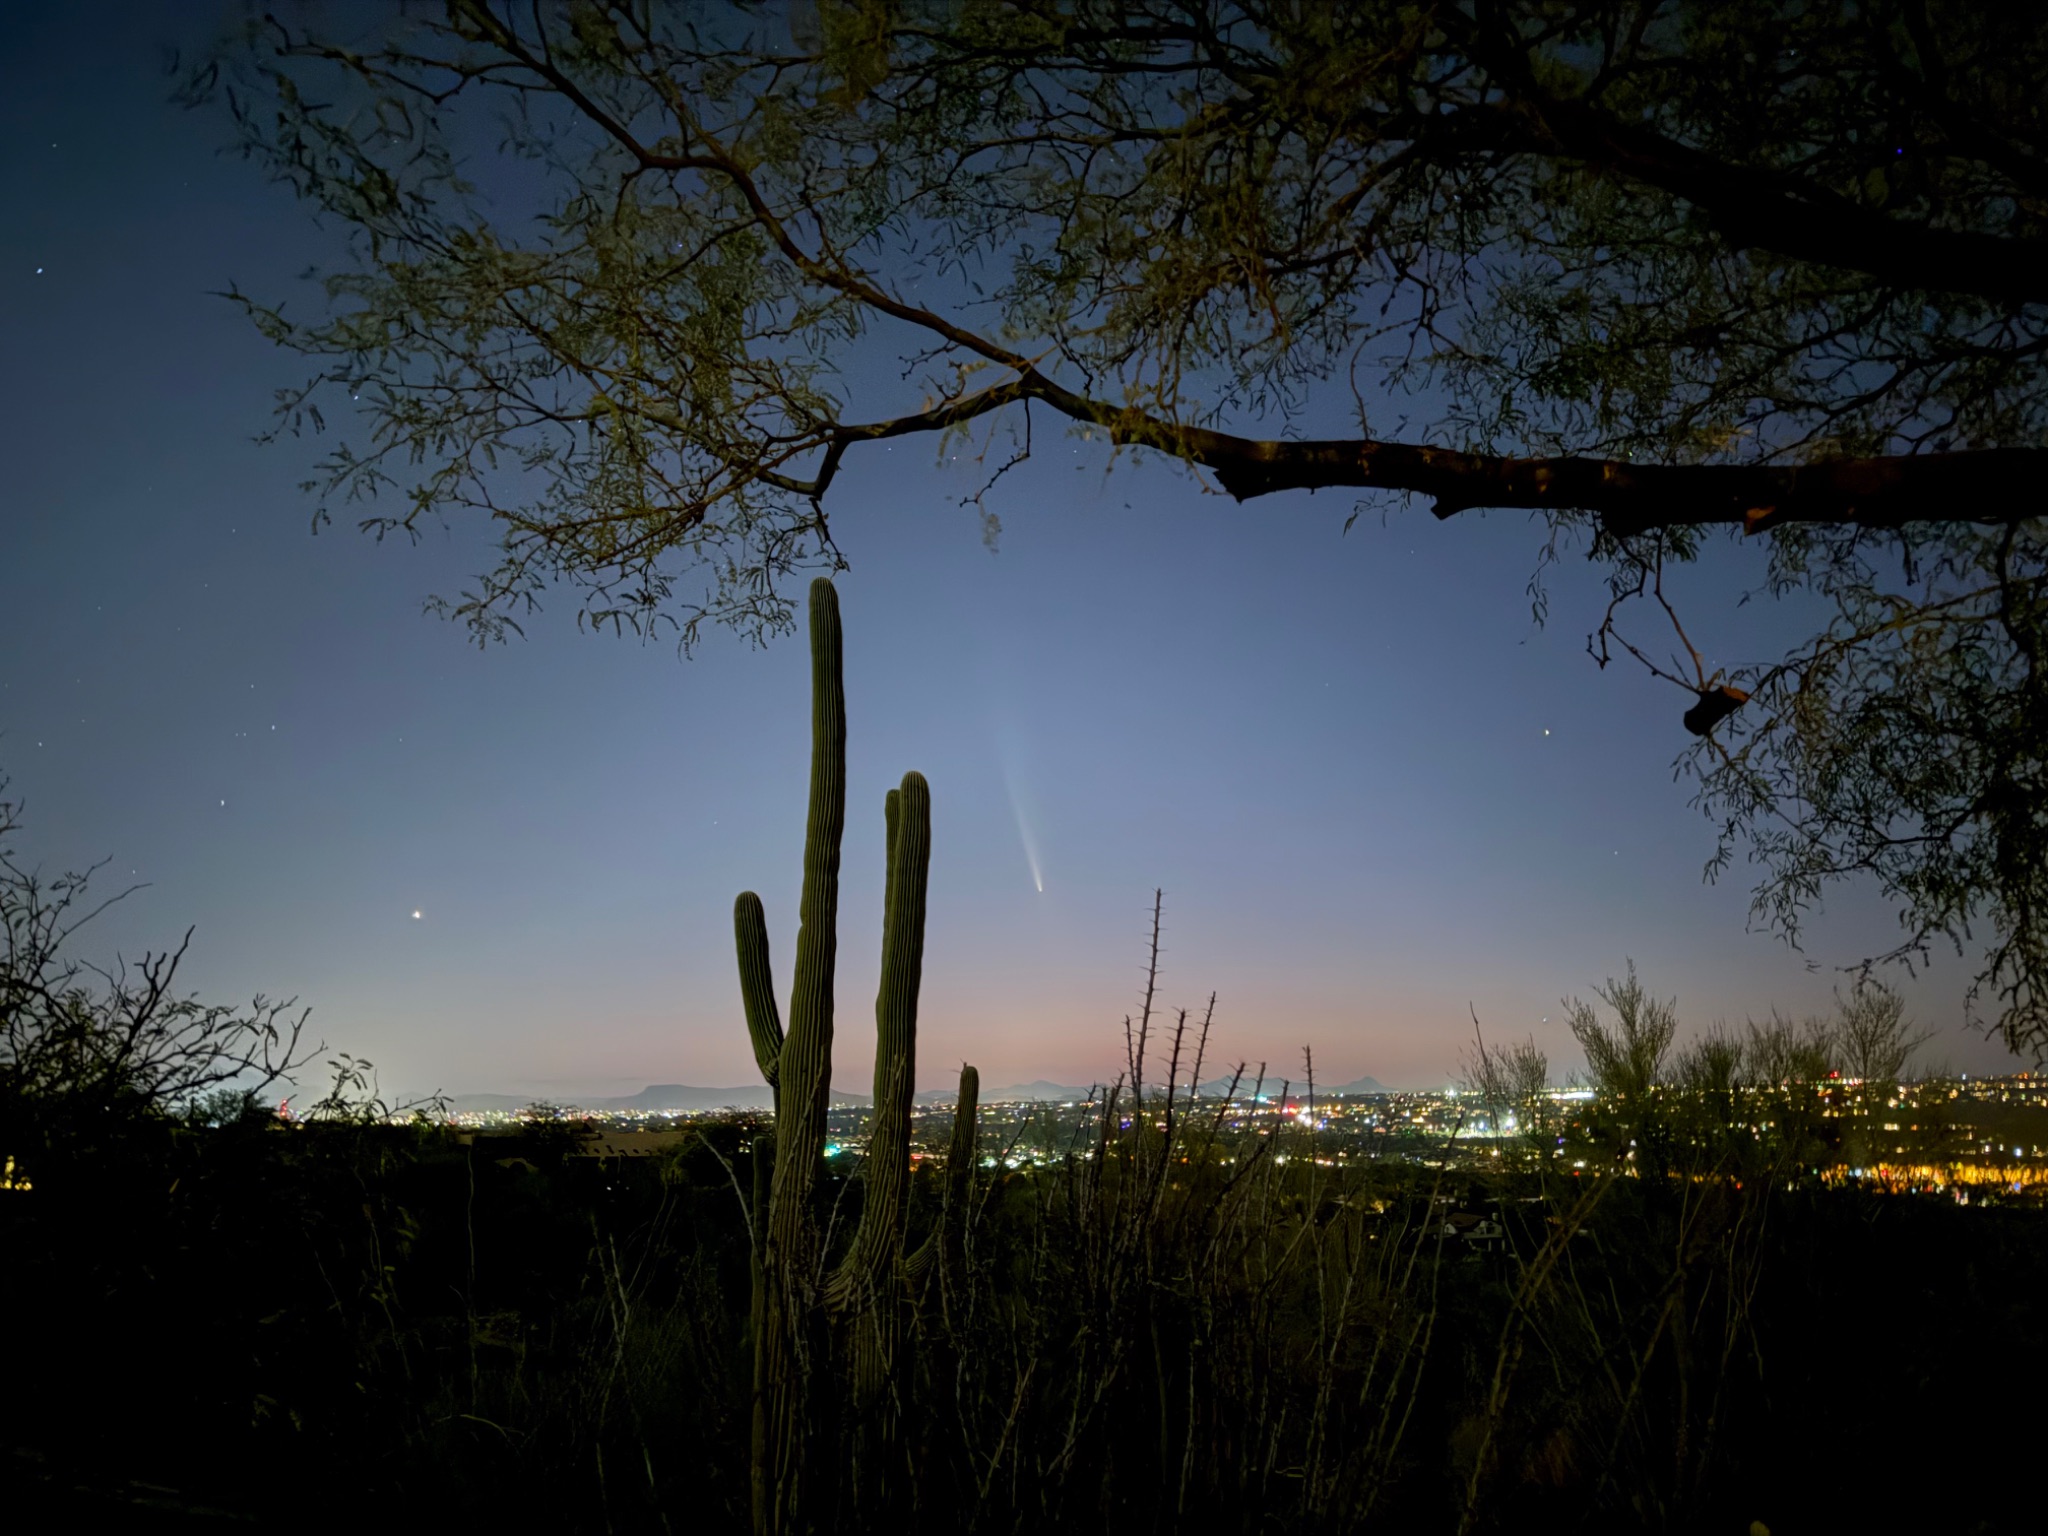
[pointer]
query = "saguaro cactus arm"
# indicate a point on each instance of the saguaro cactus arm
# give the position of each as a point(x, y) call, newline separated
point(960, 1150)
point(878, 1242)
point(757, 986)
point(959, 1176)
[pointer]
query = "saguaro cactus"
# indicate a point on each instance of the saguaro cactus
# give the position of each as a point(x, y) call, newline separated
point(798, 1309)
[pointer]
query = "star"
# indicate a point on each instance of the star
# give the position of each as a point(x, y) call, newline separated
point(415, 914)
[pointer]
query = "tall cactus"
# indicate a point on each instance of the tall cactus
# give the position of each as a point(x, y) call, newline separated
point(797, 1309)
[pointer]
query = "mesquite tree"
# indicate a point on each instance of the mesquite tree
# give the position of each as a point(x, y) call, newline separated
point(813, 1324)
point(1656, 271)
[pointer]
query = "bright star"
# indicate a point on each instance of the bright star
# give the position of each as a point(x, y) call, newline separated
point(415, 914)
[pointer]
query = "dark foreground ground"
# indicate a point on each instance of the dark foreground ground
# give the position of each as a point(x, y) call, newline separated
point(206, 1329)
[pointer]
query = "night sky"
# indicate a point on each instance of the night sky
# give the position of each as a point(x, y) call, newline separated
point(1374, 792)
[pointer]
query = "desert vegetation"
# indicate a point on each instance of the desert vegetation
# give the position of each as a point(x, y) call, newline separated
point(1176, 1325)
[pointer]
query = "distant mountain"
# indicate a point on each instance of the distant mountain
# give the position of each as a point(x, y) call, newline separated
point(481, 1103)
point(1036, 1092)
point(683, 1098)
point(1017, 1093)
point(1217, 1087)
point(659, 1096)
point(1363, 1085)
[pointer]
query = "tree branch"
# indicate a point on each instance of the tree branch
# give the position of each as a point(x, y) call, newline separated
point(1993, 486)
point(1760, 208)
point(1768, 209)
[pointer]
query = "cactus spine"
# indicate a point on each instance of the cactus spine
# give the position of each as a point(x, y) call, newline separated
point(795, 1305)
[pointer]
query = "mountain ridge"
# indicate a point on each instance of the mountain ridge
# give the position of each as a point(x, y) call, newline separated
point(689, 1098)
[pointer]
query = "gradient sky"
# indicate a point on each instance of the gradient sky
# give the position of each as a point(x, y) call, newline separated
point(1375, 793)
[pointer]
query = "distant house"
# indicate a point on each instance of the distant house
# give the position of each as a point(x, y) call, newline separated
point(1478, 1233)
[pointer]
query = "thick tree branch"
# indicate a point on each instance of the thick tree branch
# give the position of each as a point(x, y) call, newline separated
point(1994, 486)
point(1765, 210)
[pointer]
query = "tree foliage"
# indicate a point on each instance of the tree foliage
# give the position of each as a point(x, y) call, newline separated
point(85, 1048)
point(627, 277)
point(1628, 1058)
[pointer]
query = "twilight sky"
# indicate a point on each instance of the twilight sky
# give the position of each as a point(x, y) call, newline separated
point(1373, 791)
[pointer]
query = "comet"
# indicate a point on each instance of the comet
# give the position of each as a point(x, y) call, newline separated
point(1024, 834)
